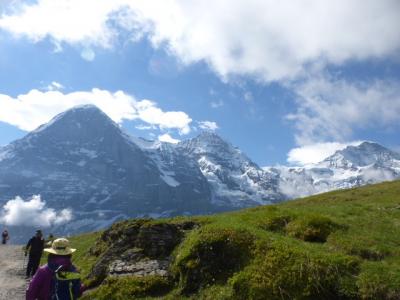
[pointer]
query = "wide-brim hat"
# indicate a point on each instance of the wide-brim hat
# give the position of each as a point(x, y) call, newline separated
point(60, 247)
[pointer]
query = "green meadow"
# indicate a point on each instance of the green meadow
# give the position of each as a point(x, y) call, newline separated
point(339, 245)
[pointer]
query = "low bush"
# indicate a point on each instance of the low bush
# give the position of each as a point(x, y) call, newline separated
point(122, 288)
point(379, 281)
point(276, 223)
point(210, 256)
point(289, 273)
point(361, 244)
point(311, 228)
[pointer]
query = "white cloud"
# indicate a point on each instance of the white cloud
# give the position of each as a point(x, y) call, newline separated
point(32, 212)
point(148, 112)
point(168, 139)
point(70, 21)
point(282, 40)
point(28, 111)
point(330, 109)
point(208, 125)
point(315, 153)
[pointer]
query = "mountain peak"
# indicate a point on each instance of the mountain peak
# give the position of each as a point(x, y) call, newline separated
point(87, 115)
point(81, 111)
point(366, 153)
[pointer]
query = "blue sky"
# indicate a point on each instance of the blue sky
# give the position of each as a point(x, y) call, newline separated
point(288, 81)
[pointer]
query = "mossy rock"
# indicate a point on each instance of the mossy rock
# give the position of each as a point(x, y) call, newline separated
point(118, 231)
point(294, 273)
point(122, 288)
point(312, 228)
point(211, 256)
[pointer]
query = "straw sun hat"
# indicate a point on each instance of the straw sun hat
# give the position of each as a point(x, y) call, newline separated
point(60, 247)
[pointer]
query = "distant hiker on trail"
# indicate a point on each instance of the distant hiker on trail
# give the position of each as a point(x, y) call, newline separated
point(35, 248)
point(4, 237)
point(58, 279)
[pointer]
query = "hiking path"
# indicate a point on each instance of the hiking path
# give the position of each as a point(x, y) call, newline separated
point(12, 282)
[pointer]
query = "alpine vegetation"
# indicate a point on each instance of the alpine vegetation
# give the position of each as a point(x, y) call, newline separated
point(338, 245)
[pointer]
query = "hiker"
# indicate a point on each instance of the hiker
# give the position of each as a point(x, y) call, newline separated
point(4, 237)
point(58, 279)
point(35, 248)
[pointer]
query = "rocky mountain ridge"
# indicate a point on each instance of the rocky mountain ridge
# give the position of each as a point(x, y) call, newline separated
point(83, 160)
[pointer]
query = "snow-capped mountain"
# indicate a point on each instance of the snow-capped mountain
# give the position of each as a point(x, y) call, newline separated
point(353, 166)
point(235, 180)
point(84, 161)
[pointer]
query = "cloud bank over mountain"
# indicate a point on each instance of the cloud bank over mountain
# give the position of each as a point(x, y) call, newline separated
point(29, 111)
point(32, 212)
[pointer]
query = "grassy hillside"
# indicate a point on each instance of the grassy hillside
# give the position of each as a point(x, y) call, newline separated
point(339, 245)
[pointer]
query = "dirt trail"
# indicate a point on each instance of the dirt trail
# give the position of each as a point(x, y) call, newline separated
point(12, 282)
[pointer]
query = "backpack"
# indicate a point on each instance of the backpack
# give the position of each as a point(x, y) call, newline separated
point(66, 284)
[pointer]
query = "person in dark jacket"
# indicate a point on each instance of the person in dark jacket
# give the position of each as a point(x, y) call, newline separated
point(35, 248)
point(4, 237)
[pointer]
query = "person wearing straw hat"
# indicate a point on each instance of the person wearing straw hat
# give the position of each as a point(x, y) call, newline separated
point(58, 279)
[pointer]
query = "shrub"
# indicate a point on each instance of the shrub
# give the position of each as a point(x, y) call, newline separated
point(361, 244)
point(311, 228)
point(289, 273)
point(122, 288)
point(276, 223)
point(379, 281)
point(211, 255)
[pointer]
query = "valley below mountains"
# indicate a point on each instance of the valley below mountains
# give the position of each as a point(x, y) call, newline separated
point(83, 161)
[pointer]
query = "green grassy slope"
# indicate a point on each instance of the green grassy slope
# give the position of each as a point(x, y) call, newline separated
point(338, 245)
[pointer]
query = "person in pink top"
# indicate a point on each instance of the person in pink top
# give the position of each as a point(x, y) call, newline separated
point(58, 279)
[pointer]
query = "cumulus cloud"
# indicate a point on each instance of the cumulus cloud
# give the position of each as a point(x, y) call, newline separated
point(33, 212)
point(167, 139)
point(282, 40)
point(330, 109)
point(317, 152)
point(208, 125)
point(28, 111)
point(147, 111)
point(52, 18)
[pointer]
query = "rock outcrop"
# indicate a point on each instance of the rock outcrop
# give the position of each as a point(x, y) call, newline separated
point(136, 248)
